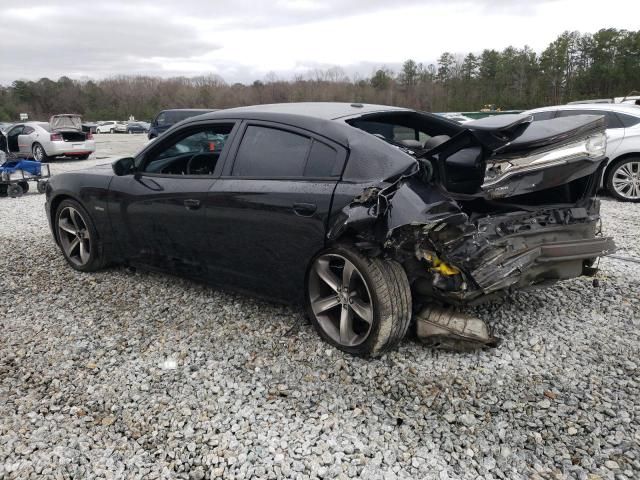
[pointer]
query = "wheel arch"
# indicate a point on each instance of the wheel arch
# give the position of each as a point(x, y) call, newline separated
point(53, 208)
point(624, 156)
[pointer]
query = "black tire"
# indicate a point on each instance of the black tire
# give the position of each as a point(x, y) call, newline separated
point(614, 171)
point(83, 157)
point(390, 297)
point(95, 260)
point(41, 186)
point(3, 190)
point(14, 190)
point(39, 154)
point(25, 186)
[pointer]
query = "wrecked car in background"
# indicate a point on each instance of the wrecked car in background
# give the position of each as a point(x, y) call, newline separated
point(365, 213)
point(62, 136)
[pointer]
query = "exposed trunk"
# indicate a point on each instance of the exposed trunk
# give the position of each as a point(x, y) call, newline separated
point(72, 136)
point(465, 232)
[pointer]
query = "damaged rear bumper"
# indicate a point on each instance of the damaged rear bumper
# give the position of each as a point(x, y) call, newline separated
point(501, 253)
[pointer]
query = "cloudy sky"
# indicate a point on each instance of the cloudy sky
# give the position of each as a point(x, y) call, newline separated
point(244, 40)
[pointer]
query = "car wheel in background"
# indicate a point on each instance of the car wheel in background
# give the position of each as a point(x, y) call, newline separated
point(77, 237)
point(14, 190)
point(24, 186)
point(623, 179)
point(39, 153)
point(41, 186)
point(358, 304)
point(113, 130)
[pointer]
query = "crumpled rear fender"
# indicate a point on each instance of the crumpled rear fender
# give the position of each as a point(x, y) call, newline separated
point(457, 258)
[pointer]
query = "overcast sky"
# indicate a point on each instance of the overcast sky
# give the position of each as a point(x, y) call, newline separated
point(244, 40)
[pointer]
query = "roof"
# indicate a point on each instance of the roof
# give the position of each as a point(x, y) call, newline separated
point(323, 110)
point(607, 107)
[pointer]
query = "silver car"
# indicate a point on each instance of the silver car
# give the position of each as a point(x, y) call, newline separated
point(62, 136)
point(621, 178)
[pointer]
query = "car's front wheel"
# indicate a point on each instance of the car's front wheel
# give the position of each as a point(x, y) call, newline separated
point(360, 305)
point(77, 236)
point(39, 153)
point(623, 179)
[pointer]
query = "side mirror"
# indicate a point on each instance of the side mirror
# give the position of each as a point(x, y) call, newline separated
point(123, 166)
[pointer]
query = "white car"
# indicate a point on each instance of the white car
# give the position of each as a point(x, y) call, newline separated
point(121, 127)
point(622, 176)
point(61, 137)
point(107, 127)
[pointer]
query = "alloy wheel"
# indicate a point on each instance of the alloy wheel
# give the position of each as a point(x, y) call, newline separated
point(38, 153)
point(626, 180)
point(340, 300)
point(74, 236)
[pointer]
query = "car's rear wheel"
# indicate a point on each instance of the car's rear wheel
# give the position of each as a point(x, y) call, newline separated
point(83, 157)
point(77, 236)
point(360, 305)
point(623, 179)
point(39, 153)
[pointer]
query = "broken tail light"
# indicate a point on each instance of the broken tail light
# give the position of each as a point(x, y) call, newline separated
point(502, 167)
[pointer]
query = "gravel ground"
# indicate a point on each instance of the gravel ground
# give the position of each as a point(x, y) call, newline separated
point(138, 375)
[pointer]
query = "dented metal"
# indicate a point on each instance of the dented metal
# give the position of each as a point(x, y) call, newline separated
point(447, 328)
point(465, 246)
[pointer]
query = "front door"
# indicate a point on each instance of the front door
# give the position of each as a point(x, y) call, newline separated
point(158, 212)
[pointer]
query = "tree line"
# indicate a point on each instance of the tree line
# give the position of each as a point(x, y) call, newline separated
point(574, 66)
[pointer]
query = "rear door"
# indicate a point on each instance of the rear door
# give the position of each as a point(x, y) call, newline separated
point(267, 214)
point(158, 213)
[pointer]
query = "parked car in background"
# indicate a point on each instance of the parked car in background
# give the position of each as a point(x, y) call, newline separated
point(621, 178)
point(121, 127)
point(106, 127)
point(330, 205)
point(136, 127)
point(62, 136)
point(89, 127)
point(167, 118)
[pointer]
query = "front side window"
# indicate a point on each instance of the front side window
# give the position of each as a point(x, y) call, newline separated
point(196, 152)
point(272, 153)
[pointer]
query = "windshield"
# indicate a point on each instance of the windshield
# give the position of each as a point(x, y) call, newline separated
point(66, 121)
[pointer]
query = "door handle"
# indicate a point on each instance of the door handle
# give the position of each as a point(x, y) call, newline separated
point(305, 209)
point(191, 204)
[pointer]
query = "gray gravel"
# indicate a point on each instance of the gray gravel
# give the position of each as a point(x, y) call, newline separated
point(137, 375)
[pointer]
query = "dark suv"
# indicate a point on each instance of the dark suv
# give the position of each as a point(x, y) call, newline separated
point(168, 118)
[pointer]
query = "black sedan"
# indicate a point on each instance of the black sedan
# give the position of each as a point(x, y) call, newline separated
point(137, 127)
point(361, 212)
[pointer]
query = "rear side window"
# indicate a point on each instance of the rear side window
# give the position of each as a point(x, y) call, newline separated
point(28, 131)
point(270, 152)
point(610, 118)
point(322, 161)
point(628, 120)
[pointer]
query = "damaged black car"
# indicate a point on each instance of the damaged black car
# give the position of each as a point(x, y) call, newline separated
point(374, 217)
